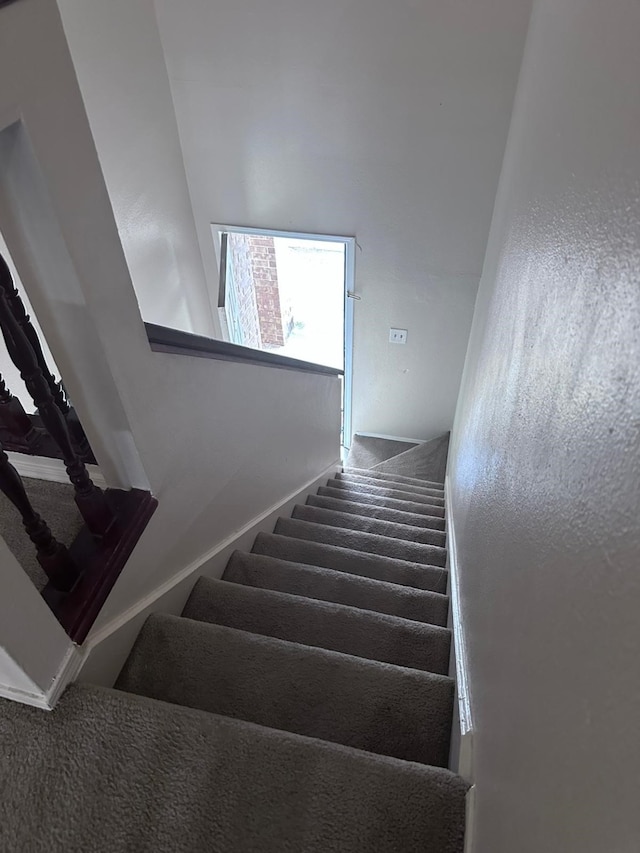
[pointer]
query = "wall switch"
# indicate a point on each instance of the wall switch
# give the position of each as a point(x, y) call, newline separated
point(397, 336)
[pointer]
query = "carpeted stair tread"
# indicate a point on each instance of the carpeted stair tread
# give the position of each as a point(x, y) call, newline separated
point(427, 461)
point(367, 451)
point(340, 587)
point(378, 707)
point(371, 543)
point(377, 500)
point(413, 519)
point(109, 772)
point(349, 521)
point(351, 561)
point(394, 478)
point(354, 487)
point(348, 477)
point(327, 625)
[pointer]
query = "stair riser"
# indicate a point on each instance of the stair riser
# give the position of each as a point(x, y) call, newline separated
point(348, 521)
point(324, 625)
point(381, 491)
point(344, 560)
point(378, 500)
point(371, 511)
point(393, 478)
point(331, 585)
point(368, 542)
point(372, 706)
point(391, 484)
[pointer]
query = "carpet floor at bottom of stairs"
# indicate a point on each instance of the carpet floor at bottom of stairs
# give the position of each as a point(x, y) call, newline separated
point(300, 704)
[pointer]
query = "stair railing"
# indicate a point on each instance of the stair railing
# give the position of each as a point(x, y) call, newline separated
point(52, 556)
point(25, 351)
point(17, 421)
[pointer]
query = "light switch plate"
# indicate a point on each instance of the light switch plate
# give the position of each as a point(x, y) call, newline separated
point(397, 336)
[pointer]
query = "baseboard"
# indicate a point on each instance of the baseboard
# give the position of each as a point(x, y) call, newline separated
point(25, 697)
point(464, 709)
point(469, 820)
point(46, 699)
point(106, 648)
point(44, 468)
point(65, 675)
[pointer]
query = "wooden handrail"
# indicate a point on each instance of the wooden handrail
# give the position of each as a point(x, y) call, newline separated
point(164, 339)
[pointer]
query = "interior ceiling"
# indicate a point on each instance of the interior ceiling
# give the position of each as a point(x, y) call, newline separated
point(292, 102)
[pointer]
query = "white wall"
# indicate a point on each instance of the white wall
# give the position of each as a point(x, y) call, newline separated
point(217, 442)
point(118, 57)
point(545, 458)
point(382, 120)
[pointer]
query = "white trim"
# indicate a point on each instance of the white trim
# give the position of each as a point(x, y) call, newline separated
point(391, 437)
point(44, 468)
point(46, 699)
point(70, 668)
point(25, 697)
point(470, 820)
point(263, 522)
point(349, 310)
point(281, 232)
point(465, 761)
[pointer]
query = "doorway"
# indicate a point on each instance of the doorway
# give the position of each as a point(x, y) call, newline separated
point(289, 293)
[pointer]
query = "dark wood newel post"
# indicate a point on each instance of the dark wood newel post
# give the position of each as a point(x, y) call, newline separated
point(90, 500)
point(52, 556)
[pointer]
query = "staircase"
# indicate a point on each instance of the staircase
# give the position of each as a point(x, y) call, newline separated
point(301, 703)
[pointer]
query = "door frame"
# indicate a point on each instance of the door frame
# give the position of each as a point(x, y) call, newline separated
point(349, 298)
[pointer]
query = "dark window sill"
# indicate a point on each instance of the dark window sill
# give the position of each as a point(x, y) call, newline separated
point(163, 339)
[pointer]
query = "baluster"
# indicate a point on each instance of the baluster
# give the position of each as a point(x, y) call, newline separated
point(15, 419)
point(57, 389)
point(52, 556)
point(90, 500)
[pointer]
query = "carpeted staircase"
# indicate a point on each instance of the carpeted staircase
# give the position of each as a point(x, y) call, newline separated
point(301, 704)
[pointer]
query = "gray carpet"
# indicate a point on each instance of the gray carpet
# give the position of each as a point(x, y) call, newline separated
point(300, 704)
point(372, 511)
point(389, 710)
point(365, 452)
point(348, 560)
point(395, 478)
point(55, 503)
point(316, 582)
point(387, 491)
point(427, 461)
point(107, 772)
point(381, 500)
point(325, 624)
point(331, 518)
point(356, 540)
point(364, 480)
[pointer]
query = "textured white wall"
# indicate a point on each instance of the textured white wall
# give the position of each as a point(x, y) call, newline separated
point(545, 461)
point(116, 50)
point(382, 120)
